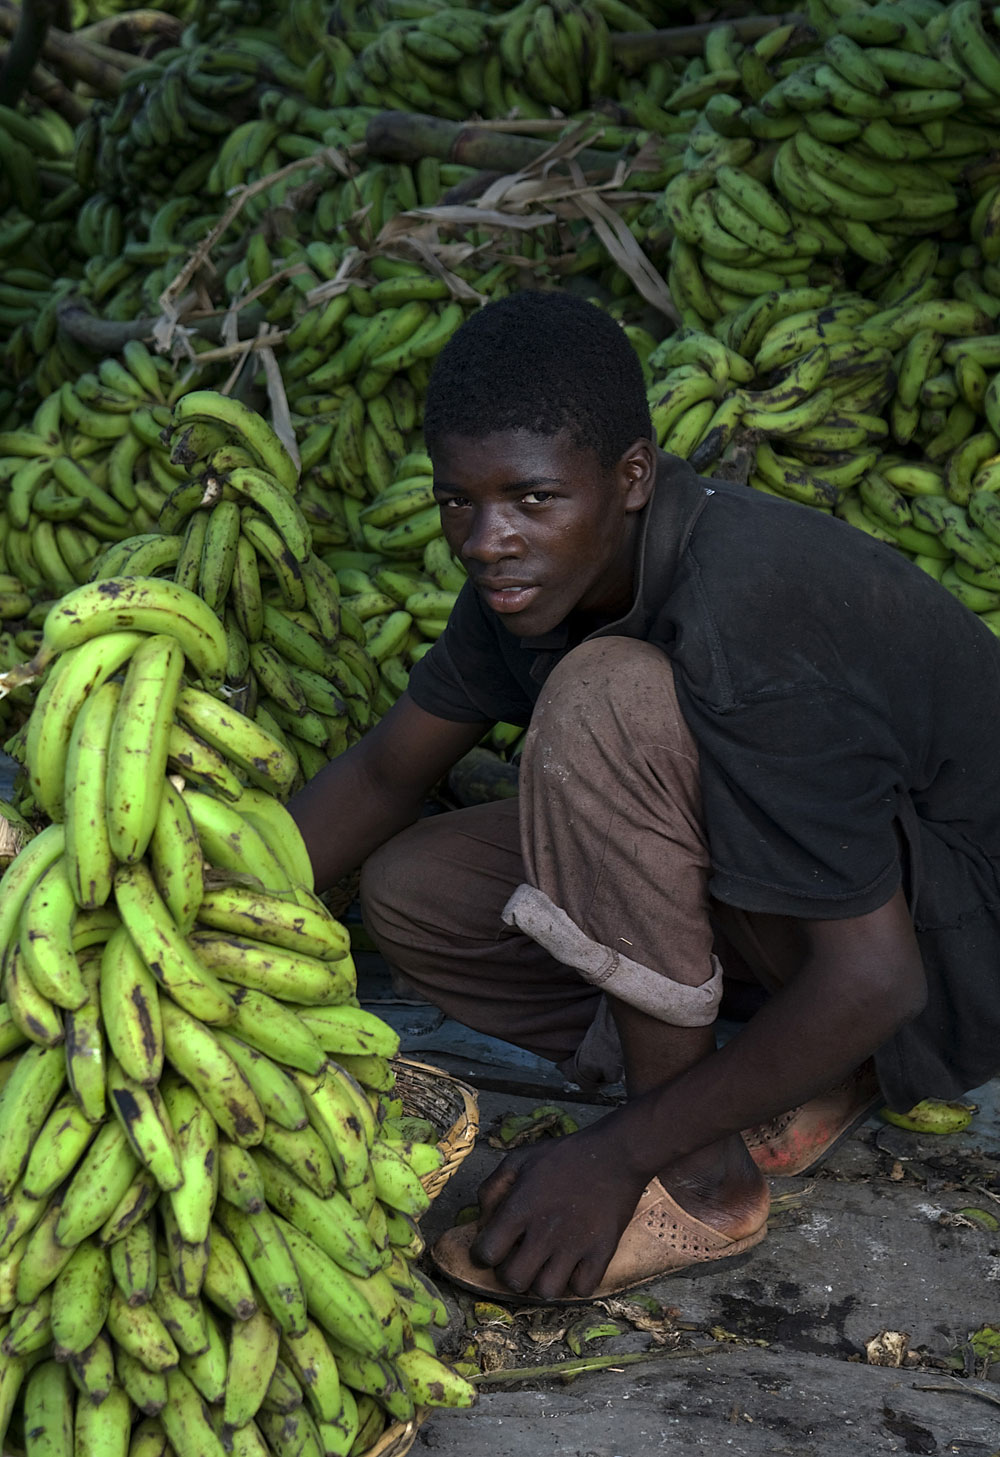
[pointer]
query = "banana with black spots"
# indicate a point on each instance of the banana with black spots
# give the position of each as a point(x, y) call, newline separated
point(148, 604)
point(198, 1056)
point(164, 948)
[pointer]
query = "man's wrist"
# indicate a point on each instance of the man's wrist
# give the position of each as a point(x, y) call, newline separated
point(635, 1140)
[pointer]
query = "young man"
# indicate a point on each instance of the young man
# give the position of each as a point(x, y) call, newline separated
point(761, 745)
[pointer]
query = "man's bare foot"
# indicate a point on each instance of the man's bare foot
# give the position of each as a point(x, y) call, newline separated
point(722, 1186)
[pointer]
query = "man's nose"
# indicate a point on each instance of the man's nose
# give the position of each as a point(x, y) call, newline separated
point(491, 537)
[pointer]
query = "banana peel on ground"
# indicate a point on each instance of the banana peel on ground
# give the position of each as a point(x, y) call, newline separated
point(516, 1129)
point(15, 832)
point(932, 1115)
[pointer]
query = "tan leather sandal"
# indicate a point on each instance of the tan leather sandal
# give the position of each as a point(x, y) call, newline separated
point(660, 1239)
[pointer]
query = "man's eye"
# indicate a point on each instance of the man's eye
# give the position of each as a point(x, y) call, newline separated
point(452, 501)
point(537, 498)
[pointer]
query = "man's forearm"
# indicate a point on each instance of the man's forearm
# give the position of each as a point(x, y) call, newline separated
point(343, 817)
point(831, 1017)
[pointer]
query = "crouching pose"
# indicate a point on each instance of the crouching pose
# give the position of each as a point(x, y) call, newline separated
point(761, 751)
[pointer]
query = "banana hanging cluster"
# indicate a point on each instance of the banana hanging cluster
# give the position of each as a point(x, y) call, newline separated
point(209, 1187)
point(240, 540)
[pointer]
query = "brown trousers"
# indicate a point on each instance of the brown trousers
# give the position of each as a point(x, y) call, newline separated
point(605, 855)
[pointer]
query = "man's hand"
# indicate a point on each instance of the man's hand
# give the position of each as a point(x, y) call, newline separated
point(552, 1216)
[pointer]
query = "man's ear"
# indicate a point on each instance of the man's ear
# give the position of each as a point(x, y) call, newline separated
point(637, 473)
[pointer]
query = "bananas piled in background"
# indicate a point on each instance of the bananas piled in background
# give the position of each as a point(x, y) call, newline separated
point(161, 132)
point(36, 174)
point(87, 469)
point(404, 603)
point(38, 197)
point(881, 410)
point(831, 352)
point(816, 155)
point(210, 1190)
point(205, 493)
point(454, 61)
point(147, 174)
point(358, 360)
point(795, 188)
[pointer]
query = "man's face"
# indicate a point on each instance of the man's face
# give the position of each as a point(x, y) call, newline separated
point(542, 528)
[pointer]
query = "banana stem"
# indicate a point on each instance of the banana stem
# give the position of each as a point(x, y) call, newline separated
point(404, 136)
point(51, 92)
point(100, 68)
point(565, 1369)
point(107, 336)
point(27, 32)
point(22, 673)
point(634, 48)
point(128, 29)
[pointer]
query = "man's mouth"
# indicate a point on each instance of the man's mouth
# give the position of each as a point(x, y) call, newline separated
point(505, 596)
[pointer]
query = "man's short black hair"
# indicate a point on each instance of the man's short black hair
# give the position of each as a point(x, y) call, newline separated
point(544, 362)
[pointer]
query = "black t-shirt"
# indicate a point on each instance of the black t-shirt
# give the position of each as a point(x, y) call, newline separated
point(843, 703)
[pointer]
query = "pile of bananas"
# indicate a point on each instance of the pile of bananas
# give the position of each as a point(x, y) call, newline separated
point(405, 605)
point(204, 493)
point(456, 61)
point(799, 189)
point(36, 173)
point(816, 153)
point(146, 173)
point(849, 386)
point(834, 244)
point(88, 468)
point(209, 1187)
point(358, 361)
point(233, 532)
point(159, 135)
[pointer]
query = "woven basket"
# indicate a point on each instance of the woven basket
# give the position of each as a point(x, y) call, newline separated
point(451, 1105)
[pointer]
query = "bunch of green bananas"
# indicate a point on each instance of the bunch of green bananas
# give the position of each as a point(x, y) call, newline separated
point(881, 410)
point(402, 605)
point(296, 660)
point(161, 132)
point(35, 159)
point(455, 61)
point(356, 360)
point(38, 199)
point(812, 150)
point(435, 64)
point(89, 468)
point(209, 1186)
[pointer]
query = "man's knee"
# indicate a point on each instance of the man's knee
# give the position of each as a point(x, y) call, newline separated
point(602, 663)
point(616, 692)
